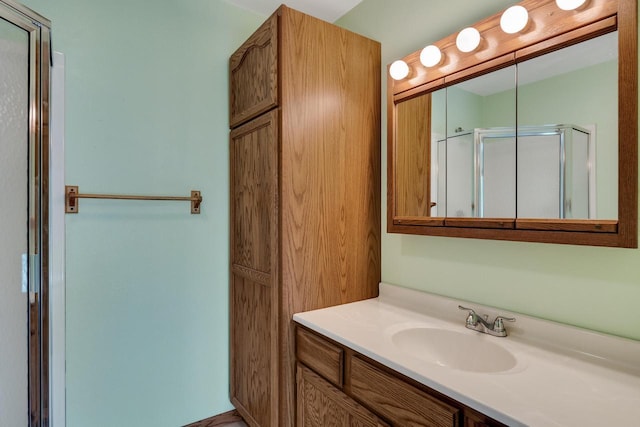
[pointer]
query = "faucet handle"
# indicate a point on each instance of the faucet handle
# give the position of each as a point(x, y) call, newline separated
point(470, 310)
point(498, 323)
point(472, 318)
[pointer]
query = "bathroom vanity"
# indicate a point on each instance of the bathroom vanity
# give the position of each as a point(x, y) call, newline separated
point(346, 377)
point(406, 358)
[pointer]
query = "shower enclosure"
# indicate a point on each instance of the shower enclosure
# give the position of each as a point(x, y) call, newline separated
point(500, 173)
point(24, 133)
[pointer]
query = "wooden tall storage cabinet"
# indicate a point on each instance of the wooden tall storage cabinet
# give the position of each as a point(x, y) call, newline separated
point(305, 195)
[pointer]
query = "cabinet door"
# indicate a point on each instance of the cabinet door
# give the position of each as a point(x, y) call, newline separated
point(476, 419)
point(253, 74)
point(254, 276)
point(413, 157)
point(322, 405)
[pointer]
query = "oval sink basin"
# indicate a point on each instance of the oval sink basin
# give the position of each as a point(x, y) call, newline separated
point(466, 352)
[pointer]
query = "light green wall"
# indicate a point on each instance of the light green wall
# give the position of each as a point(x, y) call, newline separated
point(596, 288)
point(147, 283)
point(497, 109)
point(464, 110)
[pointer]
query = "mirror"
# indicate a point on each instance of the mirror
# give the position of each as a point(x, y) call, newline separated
point(566, 101)
point(532, 144)
point(582, 81)
point(480, 161)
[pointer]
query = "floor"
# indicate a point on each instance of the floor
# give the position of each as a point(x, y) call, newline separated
point(229, 419)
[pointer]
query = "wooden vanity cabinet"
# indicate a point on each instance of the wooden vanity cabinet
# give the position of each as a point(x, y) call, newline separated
point(304, 197)
point(364, 383)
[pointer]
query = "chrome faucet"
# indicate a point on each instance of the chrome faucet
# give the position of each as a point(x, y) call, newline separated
point(482, 324)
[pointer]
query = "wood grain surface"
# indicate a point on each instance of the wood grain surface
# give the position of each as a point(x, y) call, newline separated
point(330, 174)
point(321, 405)
point(413, 157)
point(227, 418)
point(398, 402)
point(305, 195)
point(253, 305)
point(320, 355)
point(253, 74)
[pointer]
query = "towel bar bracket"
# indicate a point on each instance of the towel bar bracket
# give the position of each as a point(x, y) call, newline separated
point(72, 194)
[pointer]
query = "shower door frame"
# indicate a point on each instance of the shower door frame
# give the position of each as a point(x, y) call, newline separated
point(39, 30)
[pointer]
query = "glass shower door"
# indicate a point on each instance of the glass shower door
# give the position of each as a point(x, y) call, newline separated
point(14, 224)
point(24, 151)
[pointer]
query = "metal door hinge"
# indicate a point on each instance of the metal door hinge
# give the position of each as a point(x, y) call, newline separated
point(31, 273)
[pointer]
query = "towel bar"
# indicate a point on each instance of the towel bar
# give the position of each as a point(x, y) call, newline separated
point(72, 195)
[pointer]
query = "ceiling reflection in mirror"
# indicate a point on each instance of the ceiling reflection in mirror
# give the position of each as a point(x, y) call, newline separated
point(534, 140)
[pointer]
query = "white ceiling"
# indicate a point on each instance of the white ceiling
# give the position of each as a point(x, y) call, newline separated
point(328, 10)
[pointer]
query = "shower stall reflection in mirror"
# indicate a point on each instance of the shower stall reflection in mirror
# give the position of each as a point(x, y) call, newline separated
point(25, 371)
point(491, 173)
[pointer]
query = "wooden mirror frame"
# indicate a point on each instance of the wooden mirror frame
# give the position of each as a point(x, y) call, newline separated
point(549, 29)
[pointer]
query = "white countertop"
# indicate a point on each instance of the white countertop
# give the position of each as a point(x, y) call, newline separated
point(564, 376)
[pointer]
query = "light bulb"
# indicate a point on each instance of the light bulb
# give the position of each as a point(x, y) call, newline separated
point(468, 39)
point(399, 70)
point(514, 19)
point(430, 56)
point(569, 4)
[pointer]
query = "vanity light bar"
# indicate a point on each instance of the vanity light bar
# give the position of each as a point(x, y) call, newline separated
point(512, 21)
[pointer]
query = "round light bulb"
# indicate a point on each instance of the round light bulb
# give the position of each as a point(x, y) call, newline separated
point(468, 39)
point(514, 19)
point(430, 56)
point(569, 4)
point(399, 70)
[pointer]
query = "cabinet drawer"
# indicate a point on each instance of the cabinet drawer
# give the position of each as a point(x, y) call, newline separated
point(397, 401)
point(253, 74)
point(320, 355)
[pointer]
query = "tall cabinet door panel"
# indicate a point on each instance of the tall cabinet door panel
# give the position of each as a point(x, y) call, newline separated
point(253, 74)
point(253, 154)
point(254, 255)
point(251, 314)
